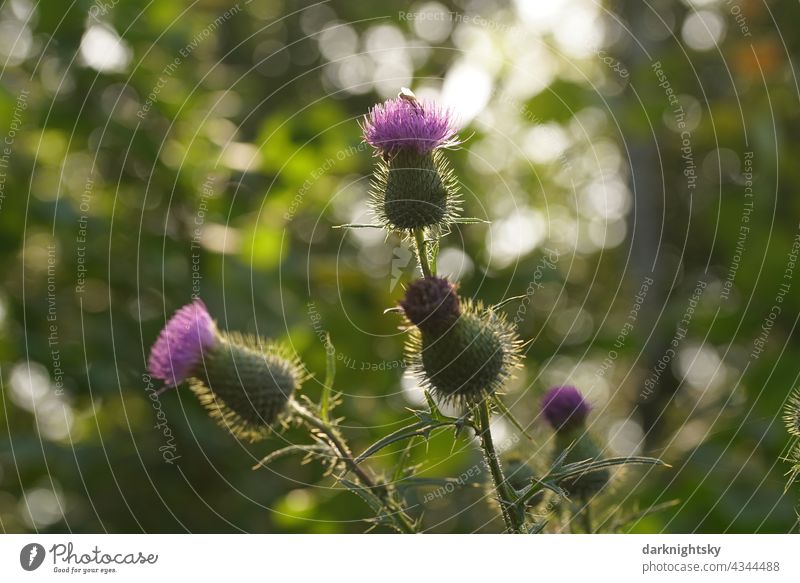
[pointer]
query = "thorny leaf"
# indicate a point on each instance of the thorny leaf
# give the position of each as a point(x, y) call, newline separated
point(375, 504)
point(308, 450)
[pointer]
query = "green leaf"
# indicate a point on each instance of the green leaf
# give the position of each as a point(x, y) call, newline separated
point(636, 516)
point(538, 485)
point(588, 466)
point(421, 428)
point(470, 221)
point(508, 301)
point(375, 504)
point(537, 527)
point(432, 406)
point(365, 494)
point(507, 413)
point(357, 226)
point(400, 468)
point(559, 461)
point(310, 449)
point(420, 482)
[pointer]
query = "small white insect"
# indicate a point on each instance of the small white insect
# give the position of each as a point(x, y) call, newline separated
point(408, 95)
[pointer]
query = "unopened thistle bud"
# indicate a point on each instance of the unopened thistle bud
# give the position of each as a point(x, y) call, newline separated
point(460, 351)
point(431, 304)
point(244, 382)
point(566, 411)
point(413, 186)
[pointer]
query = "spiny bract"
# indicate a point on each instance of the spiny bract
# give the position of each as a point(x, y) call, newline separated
point(791, 413)
point(414, 190)
point(468, 361)
point(246, 383)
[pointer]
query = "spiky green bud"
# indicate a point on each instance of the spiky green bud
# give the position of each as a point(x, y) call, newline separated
point(791, 413)
point(246, 383)
point(467, 360)
point(412, 190)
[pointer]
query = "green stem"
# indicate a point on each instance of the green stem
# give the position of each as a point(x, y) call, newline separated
point(586, 515)
point(422, 252)
point(346, 456)
point(330, 375)
point(512, 518)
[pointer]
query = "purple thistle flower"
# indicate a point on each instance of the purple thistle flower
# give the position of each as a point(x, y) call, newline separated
point(565, 408)
point(405, 123)
point(181, 343)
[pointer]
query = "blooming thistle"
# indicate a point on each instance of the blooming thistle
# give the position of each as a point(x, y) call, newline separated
point(407, 124)
point(244, 382)
point(180, 347)
point(460, 351)
point(413, 186)
point(566, 410)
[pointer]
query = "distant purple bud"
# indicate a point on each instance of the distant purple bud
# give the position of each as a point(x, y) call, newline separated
point(399, 124)
point(180, 346)
point(565, 408)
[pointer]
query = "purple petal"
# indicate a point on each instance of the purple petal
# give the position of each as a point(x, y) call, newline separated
point(399, 123)
point(181, 343)
point(565, 407)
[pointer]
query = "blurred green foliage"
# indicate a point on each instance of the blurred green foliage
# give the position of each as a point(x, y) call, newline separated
point(214, 146)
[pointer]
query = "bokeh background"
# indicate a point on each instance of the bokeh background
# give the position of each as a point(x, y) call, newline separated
point(152, 150)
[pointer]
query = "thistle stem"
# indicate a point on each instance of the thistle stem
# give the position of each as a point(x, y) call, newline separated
point(422, 252)
point(587, 516)
point(512, 518)
point(346, 456)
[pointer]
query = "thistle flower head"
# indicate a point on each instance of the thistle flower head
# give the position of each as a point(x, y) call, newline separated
point(565, 408)
point(245, 383)
point(413, 186)
point(182, 343)
point(467, 360)
point(431, 303)
point(408, 124)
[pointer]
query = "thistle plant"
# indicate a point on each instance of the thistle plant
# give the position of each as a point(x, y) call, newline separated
point(462, 351)
point(413, 188)
point(566, 410)
point(243, 381)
